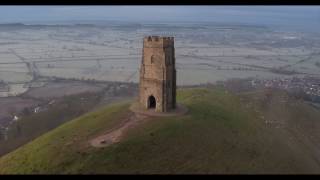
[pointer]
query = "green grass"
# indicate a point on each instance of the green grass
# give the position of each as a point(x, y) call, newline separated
point(32, 125)
point(218, 135)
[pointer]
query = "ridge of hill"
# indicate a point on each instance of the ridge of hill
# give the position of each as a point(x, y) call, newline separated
point(218, 135)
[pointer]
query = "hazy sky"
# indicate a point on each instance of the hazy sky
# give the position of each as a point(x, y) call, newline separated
point(295, 15)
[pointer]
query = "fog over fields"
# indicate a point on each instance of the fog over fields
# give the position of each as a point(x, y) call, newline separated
point(205, 52)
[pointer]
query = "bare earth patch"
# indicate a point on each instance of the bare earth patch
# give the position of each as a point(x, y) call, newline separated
point(178, 111)
point(114, 135)
point(137, 116)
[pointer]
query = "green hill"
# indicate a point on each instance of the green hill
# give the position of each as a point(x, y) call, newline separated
point(218, 135)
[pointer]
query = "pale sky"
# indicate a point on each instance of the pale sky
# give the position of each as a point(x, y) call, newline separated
point(296, 15)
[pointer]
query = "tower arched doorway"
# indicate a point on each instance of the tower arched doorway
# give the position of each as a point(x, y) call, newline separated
point(152, 102)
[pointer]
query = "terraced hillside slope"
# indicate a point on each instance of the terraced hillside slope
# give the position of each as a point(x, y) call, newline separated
point(221, 133)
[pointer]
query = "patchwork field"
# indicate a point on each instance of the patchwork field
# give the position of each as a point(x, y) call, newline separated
point(112, 52)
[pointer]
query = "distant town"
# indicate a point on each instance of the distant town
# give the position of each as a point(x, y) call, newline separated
point(306, 87)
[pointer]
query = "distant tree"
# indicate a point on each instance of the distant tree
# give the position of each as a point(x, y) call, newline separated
point(19, 132)
point(1, 134)
point(12, 110)
point(26, 111)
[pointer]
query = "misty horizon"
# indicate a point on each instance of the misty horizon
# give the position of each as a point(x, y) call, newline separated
point(301, 17)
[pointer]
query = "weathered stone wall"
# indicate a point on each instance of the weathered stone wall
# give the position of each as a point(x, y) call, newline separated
point(157, 73)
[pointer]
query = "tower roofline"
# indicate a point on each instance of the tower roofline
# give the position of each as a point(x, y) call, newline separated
point(157, 38)
point(158, 41)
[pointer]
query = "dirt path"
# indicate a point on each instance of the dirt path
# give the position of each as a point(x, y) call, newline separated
point(136, 117)
point(114, 135)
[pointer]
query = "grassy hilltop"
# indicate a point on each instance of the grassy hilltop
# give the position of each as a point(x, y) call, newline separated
point(218, 135)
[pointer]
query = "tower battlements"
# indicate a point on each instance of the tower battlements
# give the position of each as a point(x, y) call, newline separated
point(158, 42)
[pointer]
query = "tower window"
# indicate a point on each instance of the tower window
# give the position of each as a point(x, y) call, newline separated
point(152, 59)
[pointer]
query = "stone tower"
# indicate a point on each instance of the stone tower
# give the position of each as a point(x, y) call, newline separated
point(158, 74)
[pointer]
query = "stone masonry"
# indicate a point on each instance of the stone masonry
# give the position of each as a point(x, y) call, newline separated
point(158, 74)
